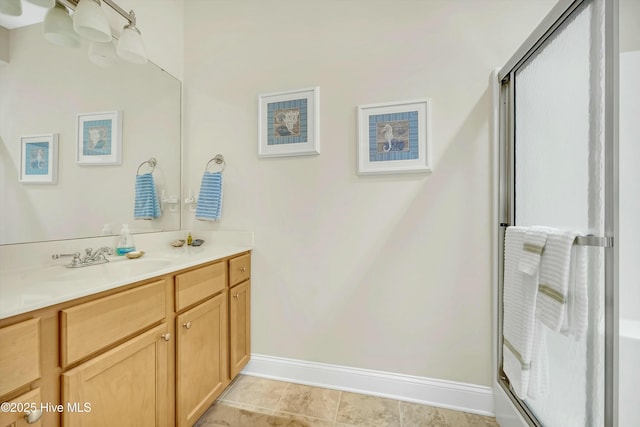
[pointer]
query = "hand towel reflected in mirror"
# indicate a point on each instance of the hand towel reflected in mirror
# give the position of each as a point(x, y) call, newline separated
point(209, 206)
point(147, 205)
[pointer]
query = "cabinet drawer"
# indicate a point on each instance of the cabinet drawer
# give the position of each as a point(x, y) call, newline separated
point(20, 355)
point(239, 269)
point(15, 415)
point(89, 327)
point(196, 285)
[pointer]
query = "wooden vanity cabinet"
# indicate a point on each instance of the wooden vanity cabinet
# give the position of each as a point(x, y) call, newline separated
point(213, 337)
point(20, 355)
point(15, 417)
point(201, 358)
point(19, 369)
point(201, 340)
point(126, 386)
point(156, 353)
point(239, 313)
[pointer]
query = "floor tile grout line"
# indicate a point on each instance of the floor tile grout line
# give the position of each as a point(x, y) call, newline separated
point(335, 417)
point(400, 413)
point(244, 405)
point(275, 408)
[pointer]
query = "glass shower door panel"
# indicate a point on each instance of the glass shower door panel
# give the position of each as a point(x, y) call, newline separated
point(558, 184)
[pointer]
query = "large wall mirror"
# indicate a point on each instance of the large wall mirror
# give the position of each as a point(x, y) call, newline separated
point(43, 89)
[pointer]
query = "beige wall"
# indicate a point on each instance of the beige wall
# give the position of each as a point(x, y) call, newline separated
point(629, 25)
point(4, 46)
point(390, 273)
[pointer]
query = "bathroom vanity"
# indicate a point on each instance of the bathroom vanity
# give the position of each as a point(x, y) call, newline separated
point(158, 342)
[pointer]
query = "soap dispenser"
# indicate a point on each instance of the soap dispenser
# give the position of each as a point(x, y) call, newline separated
point(125, 242)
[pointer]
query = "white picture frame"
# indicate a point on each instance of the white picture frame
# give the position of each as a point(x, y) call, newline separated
point(39, 159)
point(289, 123)
point(99, 138)
point(394, 137)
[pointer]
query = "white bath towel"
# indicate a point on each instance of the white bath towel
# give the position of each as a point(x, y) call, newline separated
point(533, 246)
point(576, 317)
point(539, 370)
point(553, 278)
point(519, 305)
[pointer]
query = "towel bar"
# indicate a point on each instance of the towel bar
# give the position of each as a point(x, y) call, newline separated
point(588, 240)
point(218, 159)
point(603, 242)
point(152, 162)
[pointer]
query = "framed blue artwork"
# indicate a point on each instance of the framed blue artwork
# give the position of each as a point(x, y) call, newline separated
point(289, 123)
point(394, 137)
point(39, 159)
point(99, 138)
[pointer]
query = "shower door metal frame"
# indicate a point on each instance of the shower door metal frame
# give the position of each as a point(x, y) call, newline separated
point(506, 188)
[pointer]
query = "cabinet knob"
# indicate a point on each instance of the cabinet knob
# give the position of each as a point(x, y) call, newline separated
point(166, 337)
point(187, 325)
point(243, 269)
point(236, 296)
point(32, 417)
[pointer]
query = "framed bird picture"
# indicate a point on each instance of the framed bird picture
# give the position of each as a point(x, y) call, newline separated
point(289, 123)
point(394, 137)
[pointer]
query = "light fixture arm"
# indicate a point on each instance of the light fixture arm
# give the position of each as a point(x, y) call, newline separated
point(129, 16)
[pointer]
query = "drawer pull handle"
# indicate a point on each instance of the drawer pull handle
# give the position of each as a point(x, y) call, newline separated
point(187, 325)
point(166, 337)
point(32, 417)
point(243, 269)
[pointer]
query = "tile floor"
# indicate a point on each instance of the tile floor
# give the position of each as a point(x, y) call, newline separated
point(253, 401)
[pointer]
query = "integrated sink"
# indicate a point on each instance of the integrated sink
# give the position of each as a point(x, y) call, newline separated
point(116, 268)
point(139, 265)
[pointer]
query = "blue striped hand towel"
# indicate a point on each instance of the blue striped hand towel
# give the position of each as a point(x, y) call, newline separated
point(210, 199)
point(147, 205)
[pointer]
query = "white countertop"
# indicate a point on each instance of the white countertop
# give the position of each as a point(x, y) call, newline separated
point(26, 290)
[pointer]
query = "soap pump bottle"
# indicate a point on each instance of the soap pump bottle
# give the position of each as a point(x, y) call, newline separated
point(125, 242)
point(189, 239)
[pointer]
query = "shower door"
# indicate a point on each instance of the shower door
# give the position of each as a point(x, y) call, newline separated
point(557, 145)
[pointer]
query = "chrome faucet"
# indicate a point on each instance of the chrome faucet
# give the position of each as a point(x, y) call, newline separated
point(98, 257)
point(90, 258)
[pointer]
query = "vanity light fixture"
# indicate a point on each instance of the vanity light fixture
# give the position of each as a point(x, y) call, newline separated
point(90, 22)
point(43, 3)
point(58, 28)
point(102, 54)
point(11, 7)
point(130, 46)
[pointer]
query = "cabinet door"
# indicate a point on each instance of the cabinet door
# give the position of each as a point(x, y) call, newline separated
point(239, 327)
point(126, 386)
point(201, 358)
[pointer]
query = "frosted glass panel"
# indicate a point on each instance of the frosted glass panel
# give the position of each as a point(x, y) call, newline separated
point(558, 176)
point(552, 131)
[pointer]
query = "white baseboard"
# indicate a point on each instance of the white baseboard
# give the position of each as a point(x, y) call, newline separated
point(444, 394)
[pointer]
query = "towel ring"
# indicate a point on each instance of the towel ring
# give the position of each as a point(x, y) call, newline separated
point(218, 159)
point(152, 162)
